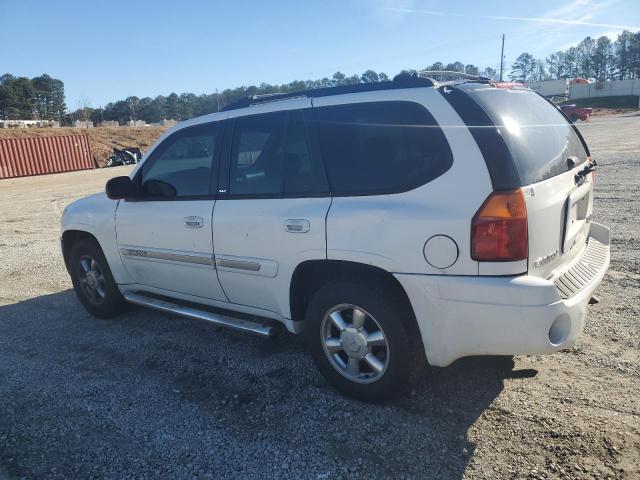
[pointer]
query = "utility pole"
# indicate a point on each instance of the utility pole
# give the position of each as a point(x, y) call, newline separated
point(502, 58)
point(217, 99)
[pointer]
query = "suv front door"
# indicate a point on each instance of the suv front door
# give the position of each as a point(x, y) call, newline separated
point(164, 234)
point(273, 202)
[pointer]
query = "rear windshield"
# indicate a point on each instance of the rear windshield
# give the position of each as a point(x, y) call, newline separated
point(538, 136)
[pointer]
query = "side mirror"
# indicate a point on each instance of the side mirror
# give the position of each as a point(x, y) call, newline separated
point(120, 187)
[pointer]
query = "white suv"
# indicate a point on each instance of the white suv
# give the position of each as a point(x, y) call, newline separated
point(397, 224)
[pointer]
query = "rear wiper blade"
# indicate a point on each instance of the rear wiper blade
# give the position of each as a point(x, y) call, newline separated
point(582, 174)
point(592, 167)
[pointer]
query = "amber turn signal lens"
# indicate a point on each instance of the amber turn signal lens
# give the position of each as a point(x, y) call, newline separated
point(499, 228)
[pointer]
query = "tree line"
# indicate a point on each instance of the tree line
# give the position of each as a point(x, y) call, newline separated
point(600, 59)
point(25, 98)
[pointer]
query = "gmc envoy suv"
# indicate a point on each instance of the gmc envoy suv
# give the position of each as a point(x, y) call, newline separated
point(396, 225)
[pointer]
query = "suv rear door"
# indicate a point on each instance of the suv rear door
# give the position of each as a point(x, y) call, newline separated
point(272, 205)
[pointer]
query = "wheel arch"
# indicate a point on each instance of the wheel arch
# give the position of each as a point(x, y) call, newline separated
point(311, 275)
point(70, 238)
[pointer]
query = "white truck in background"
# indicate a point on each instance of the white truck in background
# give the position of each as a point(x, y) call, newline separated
point(551, 88)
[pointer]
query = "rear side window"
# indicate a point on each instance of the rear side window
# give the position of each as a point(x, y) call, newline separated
point(303, 171)
point(380, 147)
point(271, 156)
point(257, 155)
point(538, 136)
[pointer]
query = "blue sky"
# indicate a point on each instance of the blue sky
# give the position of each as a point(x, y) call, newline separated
point(108, 50)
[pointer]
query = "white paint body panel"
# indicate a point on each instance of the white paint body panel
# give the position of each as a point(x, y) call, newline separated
point(95, 214)
point(462, 316)
point(253, 230)
point(159, 226)
point(546, 221)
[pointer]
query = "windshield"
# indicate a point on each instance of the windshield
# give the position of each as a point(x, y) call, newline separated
point(538, 136)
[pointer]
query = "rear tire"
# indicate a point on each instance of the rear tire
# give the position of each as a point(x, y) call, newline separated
point(364, 340)
point(93, 282)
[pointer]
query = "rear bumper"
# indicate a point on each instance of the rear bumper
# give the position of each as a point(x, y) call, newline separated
point(462, 316)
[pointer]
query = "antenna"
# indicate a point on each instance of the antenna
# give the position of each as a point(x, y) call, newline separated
point(502, 58)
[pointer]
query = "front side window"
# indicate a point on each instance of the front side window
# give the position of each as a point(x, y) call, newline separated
point(380, 147)
point(182, 165)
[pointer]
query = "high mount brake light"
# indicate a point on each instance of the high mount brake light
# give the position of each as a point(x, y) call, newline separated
point(499, 228)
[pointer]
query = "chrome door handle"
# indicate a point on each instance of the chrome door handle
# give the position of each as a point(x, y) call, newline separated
point(193, 222)
point(297, 225)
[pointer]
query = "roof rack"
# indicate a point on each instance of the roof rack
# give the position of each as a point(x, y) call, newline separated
point(403, 80)
point(436, 75)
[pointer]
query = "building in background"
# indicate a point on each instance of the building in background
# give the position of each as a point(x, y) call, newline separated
point(29, 124)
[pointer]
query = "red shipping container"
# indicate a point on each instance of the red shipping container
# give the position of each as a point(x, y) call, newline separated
point(21, 157)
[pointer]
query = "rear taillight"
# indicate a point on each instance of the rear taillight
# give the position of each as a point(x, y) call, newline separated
point(499, 228)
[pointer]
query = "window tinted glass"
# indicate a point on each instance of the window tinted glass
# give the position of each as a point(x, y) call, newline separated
point(257, 155)
point(303, 173)
point(380, 147)
point(181, 165)
point(539, 137)
point(271, 155)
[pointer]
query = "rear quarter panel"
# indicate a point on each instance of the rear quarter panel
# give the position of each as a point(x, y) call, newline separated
point(390, 231)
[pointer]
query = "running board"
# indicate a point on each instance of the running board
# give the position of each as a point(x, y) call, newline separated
point(190, 312)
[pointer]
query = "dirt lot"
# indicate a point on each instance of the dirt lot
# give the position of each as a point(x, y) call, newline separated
point(154, 396)
point(102, 139)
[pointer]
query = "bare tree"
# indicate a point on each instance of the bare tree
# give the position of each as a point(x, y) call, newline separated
point(133, 103)
point(84, 108)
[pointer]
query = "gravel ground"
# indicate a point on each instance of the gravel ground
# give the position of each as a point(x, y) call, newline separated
point(151, 395)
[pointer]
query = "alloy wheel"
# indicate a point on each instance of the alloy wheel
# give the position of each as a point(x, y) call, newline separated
point(354, 343)
point(92, 280)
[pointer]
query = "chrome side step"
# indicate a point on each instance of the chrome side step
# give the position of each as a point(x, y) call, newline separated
point(190, 312)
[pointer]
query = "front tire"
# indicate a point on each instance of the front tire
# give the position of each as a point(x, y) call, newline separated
point(364, 340)
point(93, 282)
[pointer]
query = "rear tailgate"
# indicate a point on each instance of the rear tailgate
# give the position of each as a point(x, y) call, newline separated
point(559, 215)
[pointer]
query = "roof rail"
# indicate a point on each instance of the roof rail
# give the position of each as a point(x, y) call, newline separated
point(399, 81)
point(434, 74)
